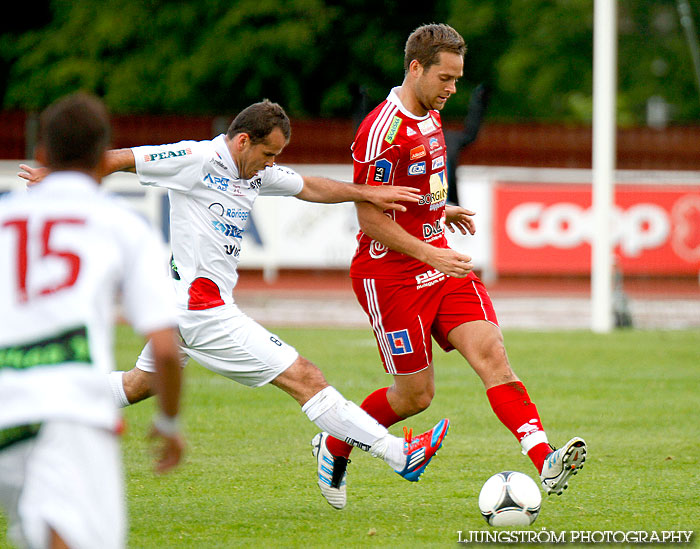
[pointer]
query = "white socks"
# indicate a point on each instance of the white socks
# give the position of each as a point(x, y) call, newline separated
point(345, 420)
point(117, 385)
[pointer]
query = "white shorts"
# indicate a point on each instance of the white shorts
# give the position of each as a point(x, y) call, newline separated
point(228, 342)
point(69, 479)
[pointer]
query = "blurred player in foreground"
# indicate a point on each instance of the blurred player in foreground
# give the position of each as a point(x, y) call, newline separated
point(212, 186)
point(412, 285)
point(66, 253)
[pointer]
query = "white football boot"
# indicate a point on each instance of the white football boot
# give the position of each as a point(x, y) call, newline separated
point(561, 464)
point(331, 472)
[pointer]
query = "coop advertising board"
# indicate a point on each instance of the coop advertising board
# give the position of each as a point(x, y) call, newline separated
point(548, 228)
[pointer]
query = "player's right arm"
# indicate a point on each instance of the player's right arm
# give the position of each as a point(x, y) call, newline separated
point(114, 160)
point(380, 227)
point(167, 385)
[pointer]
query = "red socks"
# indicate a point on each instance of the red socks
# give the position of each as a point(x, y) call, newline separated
point(512, 405)
point(510, 402)
point(377, 406)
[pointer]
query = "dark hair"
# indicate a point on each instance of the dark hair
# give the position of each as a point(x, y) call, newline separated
point(426, 42)
point(75, 132)
point(258, 120)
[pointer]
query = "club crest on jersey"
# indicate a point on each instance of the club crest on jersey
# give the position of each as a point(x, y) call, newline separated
point(427, 126)
point(417, 152)
point(166, 154)
point(377, 250)
point(379, 172)
point(417, 169)
point(393, 130)
point(399, 342)
point(438, 162)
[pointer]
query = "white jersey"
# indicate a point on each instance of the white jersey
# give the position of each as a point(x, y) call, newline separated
point(66, 252)
point(209, 209)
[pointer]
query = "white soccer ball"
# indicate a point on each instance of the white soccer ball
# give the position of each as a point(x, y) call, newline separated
point(510, 499)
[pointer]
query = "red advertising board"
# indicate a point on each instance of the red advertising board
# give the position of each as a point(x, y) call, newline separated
point(547, 228)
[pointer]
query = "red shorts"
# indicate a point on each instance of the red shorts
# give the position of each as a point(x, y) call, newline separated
point(405, 313)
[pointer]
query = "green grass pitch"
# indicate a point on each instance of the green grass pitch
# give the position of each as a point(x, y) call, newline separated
point(249, 476)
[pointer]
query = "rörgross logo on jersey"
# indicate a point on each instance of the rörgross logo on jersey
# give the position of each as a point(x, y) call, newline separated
point(566, 225)
point(232, 213)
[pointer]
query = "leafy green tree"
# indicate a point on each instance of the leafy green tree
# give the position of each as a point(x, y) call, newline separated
point(340, 57)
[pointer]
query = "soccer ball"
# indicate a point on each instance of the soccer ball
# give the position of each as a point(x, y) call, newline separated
point(510, 499)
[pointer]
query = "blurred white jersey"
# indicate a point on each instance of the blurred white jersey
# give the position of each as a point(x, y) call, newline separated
point(209, 210)
point(67, 251)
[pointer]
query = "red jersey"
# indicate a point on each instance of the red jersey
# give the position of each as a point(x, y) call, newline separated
point(394, 147)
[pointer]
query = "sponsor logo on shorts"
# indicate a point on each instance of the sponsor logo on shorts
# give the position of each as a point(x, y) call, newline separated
point(399, 342)
point(379, 172)
point(166, 154)
point(427, 279)
point(416, 169)
point(417, 152)
point(393, 130)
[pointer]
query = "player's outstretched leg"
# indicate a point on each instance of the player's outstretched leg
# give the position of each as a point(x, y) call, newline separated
point(420, 450)
point(410, 462)
point(561, 464)
point(332, 471)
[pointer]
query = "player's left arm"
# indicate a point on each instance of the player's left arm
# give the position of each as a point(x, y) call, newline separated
point(457, 218)
point(330, 191)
